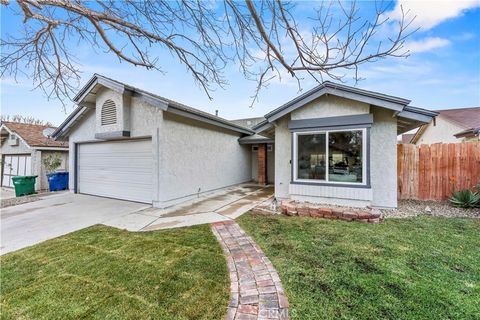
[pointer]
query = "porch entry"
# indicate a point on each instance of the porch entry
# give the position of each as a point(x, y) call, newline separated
point(263, 163)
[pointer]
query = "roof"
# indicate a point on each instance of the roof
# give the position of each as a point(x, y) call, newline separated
point(466, 117)
point(409, 117)
point(88, 92)
point(255, 139)
point(339, 90)
point(32, 134)
point(248, 122)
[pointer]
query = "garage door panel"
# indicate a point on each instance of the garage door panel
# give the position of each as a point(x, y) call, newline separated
point(120, 170)
point(15, 165)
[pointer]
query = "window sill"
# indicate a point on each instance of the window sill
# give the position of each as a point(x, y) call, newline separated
point(330, 184)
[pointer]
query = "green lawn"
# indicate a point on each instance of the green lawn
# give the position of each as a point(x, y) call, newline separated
point(419, 268)
point(102, 272)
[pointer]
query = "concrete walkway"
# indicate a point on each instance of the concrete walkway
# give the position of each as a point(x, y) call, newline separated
point(222, 205)
point(256, 289)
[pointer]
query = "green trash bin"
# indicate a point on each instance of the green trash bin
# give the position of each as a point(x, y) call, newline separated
point(24, 185)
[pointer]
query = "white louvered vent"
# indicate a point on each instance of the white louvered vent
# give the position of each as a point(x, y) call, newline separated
point(109, 113)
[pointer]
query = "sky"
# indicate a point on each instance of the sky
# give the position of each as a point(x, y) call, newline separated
point(442, 72)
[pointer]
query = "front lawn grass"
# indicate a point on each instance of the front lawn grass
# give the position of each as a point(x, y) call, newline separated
point(105, 273)
point(418, 268)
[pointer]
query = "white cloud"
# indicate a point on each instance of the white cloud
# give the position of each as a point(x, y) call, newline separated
point(433, 12)
point(426, 44)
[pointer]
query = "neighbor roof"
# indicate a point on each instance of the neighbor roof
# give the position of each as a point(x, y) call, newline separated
point(466, 117)
point(33, 135)
point(87, 93)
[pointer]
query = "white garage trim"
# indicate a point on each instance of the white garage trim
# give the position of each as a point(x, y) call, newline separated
point(116, 169)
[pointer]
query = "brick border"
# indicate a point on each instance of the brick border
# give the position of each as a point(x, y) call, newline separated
point(256, 289)
point(293, 208)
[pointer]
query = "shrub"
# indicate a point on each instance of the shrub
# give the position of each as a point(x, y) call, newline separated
point(466, 199)
point(51, 163)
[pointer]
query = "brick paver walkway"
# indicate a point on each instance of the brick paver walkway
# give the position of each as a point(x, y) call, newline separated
point(256, 290)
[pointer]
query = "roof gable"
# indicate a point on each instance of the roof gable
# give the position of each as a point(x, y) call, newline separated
point(343, 91)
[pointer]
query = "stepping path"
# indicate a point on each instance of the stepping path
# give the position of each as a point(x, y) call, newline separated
point(256, 289)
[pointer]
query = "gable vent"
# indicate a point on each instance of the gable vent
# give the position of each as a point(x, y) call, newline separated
point(109, 113)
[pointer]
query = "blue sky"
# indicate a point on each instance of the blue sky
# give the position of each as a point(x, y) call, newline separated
point(442, 72)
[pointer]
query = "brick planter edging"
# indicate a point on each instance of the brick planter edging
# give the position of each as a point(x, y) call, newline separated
point(293, 208)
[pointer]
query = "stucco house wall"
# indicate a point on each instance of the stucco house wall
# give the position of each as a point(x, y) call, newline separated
point(443, 131)
point(180, 149)
point(382, 157)
point(191, 162)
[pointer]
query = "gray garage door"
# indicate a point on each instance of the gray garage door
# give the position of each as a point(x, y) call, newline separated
point(120, 169)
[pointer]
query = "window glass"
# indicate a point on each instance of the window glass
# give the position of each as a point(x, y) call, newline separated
point(311, 157)
point(345, 156)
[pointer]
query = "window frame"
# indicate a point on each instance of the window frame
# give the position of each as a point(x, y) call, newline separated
point(365, 159)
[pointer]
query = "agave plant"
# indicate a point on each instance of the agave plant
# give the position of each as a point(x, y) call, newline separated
point(465, 199)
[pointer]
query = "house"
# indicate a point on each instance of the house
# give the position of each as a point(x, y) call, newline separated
point(452, 125)
point(333, 144)
point(23, 147)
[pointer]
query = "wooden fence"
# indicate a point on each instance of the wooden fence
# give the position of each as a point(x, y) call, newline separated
point(431, 172)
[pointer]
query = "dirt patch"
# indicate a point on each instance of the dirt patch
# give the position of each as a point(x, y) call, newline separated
point(4, 203)
point(413, 208)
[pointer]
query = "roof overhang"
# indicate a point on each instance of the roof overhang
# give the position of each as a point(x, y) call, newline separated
point(85, 100)
point(413, 117)
point(469, 133)
point(255, 139)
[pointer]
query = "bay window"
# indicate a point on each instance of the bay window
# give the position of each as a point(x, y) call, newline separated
point(331, 156)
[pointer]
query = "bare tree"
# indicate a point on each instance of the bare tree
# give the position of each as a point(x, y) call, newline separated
point(24, 119)
point(264, 38)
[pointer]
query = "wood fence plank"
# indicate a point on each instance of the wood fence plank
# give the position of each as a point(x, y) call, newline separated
point(432, 172)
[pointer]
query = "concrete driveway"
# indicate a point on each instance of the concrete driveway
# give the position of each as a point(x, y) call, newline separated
point(55, 215)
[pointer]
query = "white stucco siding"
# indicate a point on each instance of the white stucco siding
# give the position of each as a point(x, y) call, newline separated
point(196, 158)
point(283, 154)
point(443, 131)
point(383, 158)
point(330, 106)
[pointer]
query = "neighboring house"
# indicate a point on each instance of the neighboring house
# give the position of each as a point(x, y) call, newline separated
point(23, 146)
point(334, 144)
point(452, 125)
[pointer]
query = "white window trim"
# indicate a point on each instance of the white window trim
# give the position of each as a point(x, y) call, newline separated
point(326, 181)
